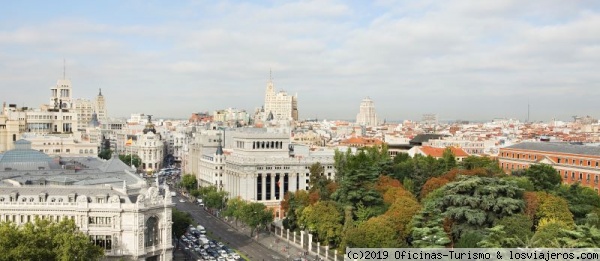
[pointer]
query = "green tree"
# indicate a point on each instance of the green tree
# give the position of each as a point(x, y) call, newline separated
point(427, 226)
point(470, 239)
point(318, 182)
point(215, 199)
point(181, 221)
point(131, 159)
point(582, 200)
point(325, 220)
point(189, 182)
point(583, 236)
point(293, 205)
point(45, 240)
point(234, 208)
point(376, 232)
point(476, 162)
point(518, 227)
point(448, 159)
point(554, 208)
point(543, 177)
point(256, 215)
point(475, 203)
point(547, 235)
point(105, 154)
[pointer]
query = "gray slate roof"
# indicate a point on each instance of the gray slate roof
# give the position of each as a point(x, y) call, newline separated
point(560, 147)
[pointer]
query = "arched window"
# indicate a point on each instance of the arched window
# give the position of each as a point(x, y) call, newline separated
point(152, 233)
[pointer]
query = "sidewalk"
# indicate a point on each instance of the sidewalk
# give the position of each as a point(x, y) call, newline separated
point(267, 239)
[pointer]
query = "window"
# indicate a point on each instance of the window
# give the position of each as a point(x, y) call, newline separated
point(558, 160)
point(151, 234)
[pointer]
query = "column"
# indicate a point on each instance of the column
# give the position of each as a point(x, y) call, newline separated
point(309, 243)
point(302, 239)
point(318, 248)
point(335, 255)
point(281, 182)
point(327, 252)
point(294, 237)
point(288, 235)
point(263, 186)
point(273, 186)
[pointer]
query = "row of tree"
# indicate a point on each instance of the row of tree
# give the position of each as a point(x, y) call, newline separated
point(255, 215)
point(425, 202)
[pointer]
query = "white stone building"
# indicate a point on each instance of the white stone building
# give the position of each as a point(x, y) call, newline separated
point(260, 166)
point(366, 115)
point(62, 145)
point(150, 148)
point(84, 109)
point(108, 202)
point(279, 105)
point(12, 124)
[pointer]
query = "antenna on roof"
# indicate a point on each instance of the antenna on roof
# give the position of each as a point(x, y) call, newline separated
point(64, 69)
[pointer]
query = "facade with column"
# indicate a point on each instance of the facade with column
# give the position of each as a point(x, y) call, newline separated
point(260, 166)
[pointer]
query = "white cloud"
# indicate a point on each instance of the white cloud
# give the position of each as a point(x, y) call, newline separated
point(461, 59)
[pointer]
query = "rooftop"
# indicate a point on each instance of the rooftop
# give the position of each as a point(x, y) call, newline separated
point(561, 147)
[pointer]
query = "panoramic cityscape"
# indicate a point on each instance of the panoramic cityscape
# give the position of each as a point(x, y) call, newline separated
point(307, 130)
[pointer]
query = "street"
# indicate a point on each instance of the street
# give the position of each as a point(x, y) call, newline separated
point(221, 231)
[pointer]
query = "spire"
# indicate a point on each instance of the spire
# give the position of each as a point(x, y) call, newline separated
point(270, 75)
point(64, 69)
point(220, 146)
point(100, 94)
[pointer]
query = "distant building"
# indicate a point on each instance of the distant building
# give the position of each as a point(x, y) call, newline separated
point(359, 142)
point(420, 139)
point(101, 108)
point(429, 119)
point(200, 117)
point(575, 163)
point(84, 109)
point(279, 105)
point(366, 115)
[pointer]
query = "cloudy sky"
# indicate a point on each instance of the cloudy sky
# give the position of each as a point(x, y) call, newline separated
point(463, 59)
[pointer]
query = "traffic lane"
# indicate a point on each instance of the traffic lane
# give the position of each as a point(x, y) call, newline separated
point(232, 237)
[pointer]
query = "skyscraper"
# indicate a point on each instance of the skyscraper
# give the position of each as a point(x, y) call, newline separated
point(366, 115)
point(281, 105)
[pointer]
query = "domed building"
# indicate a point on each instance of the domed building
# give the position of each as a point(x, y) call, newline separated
point(114, 206)
point(150, 148)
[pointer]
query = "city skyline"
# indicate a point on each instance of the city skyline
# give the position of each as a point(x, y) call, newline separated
point(458, 59)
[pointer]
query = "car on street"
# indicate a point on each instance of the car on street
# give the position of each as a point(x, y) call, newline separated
point(181, 200)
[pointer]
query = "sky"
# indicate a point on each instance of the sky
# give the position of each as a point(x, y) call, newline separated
point(463, 59)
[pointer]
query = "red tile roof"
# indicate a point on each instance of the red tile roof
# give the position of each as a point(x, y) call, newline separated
point(439, 152)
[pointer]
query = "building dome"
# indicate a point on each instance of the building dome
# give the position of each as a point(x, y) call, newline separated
point(149, 126)
point(24, 158)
